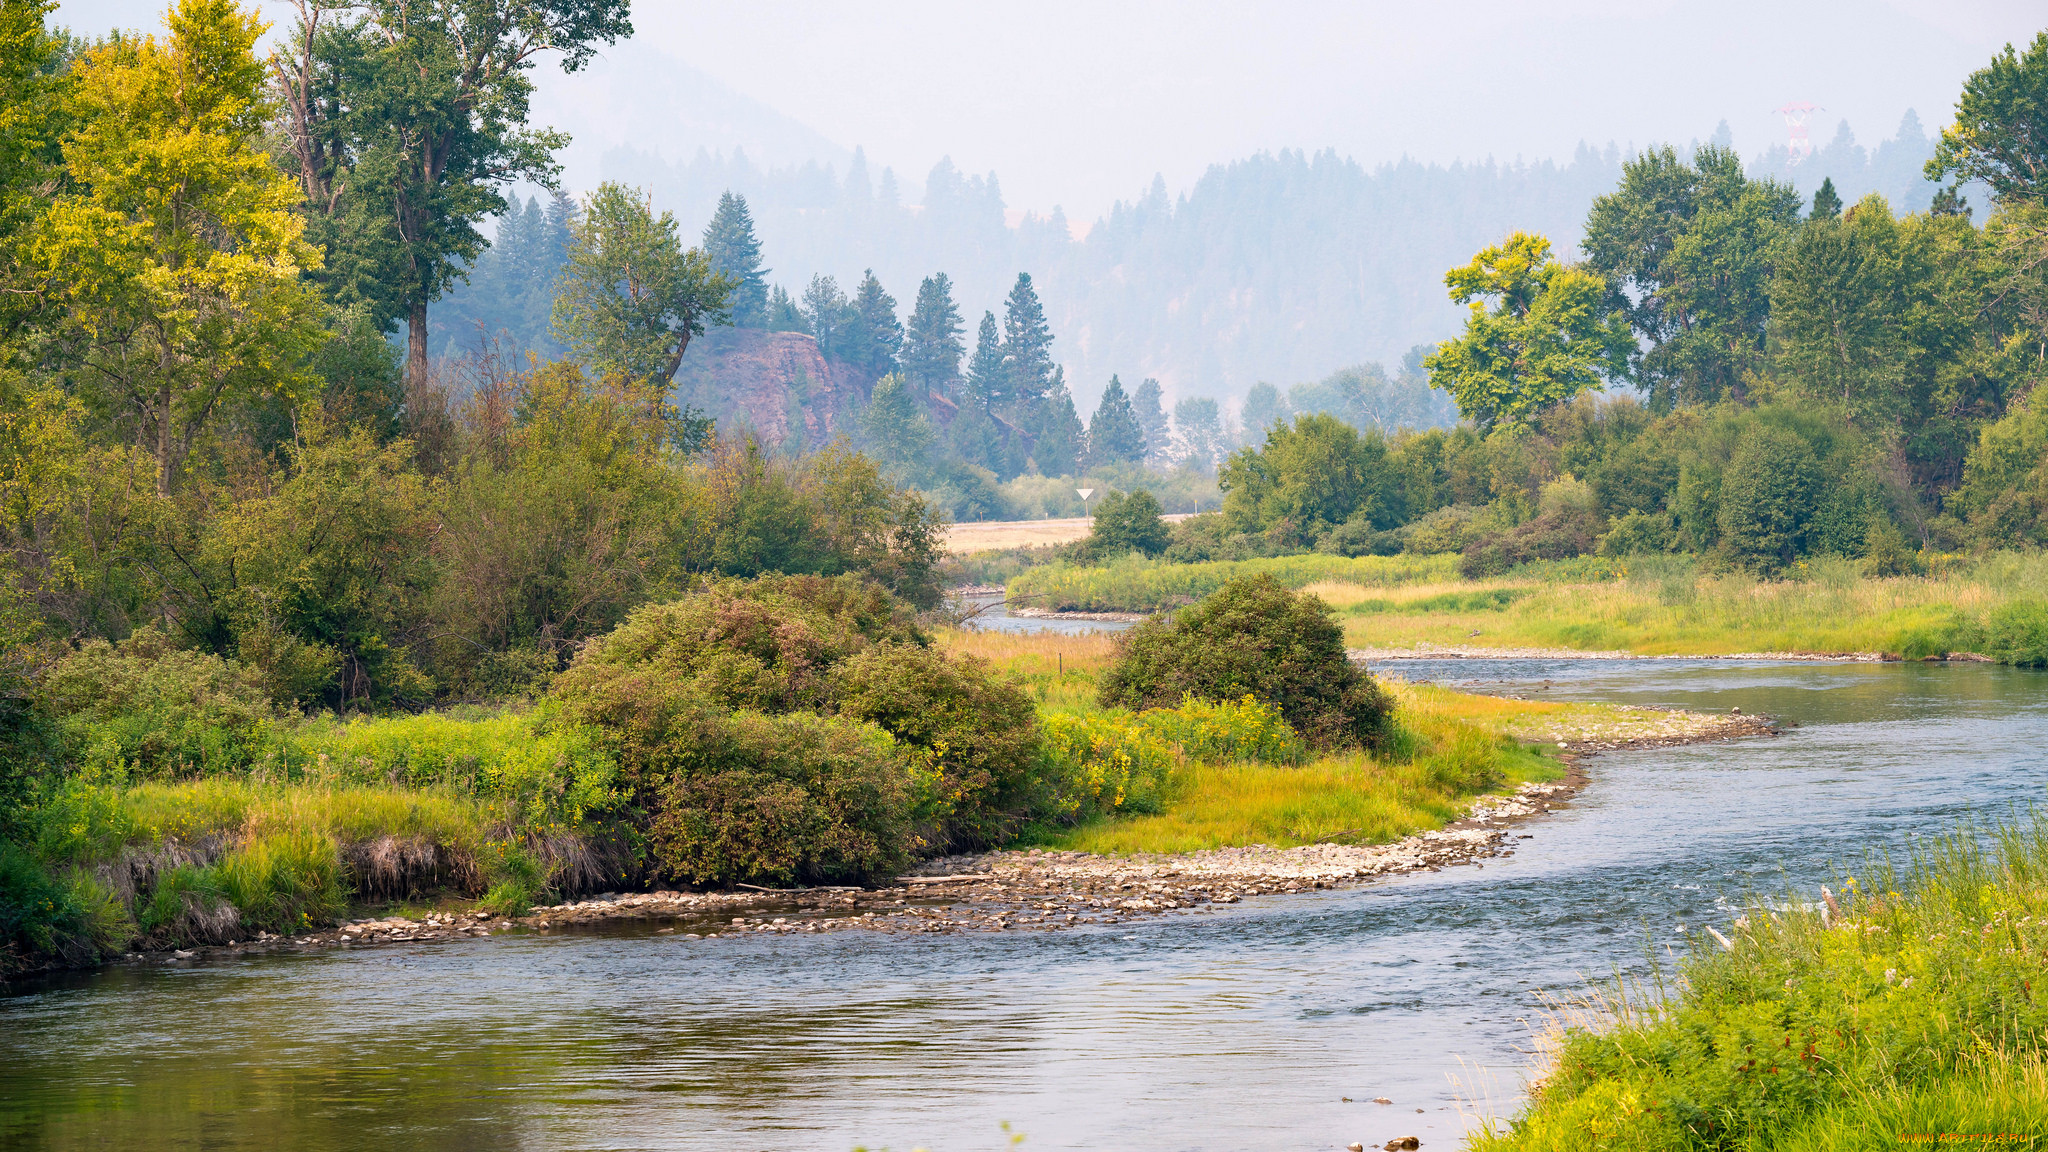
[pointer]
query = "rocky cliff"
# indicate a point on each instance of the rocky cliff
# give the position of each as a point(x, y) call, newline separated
point(776, 385)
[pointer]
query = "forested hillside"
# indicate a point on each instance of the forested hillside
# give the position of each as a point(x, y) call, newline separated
point(1277, 267)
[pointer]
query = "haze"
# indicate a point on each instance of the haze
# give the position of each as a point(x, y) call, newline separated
point(1078, 105)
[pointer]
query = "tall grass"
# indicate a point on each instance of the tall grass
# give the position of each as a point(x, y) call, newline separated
point(1663, 605)
point(1133, 584)
point(1901, 1006)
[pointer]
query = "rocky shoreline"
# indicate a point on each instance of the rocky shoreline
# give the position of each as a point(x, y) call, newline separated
point(1033, 889)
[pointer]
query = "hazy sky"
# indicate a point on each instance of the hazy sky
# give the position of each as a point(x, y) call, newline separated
point(1078, 104)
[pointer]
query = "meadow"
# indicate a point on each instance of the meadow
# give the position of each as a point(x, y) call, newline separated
point(1647, 605)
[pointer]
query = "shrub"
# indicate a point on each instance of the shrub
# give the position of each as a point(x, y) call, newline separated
point(1099, 764)
point(1125, 523)
point(978, 735)
point(1886, 552)
point(47, 920)
point(1136, 585)
point(1253, 637)
point(1639, 533)
point(158, 709)
point(285, 882)
point(781, 799)
point(1769, 492)
point(765, 644)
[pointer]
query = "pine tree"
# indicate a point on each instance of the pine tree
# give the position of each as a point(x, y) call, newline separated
point(825, 316)
point(1114, 435)
point(1827, 203)
point(931, 344)
point(736, 253)
point(873, 334)
point(986, 379)
point(1027, 345)
point(1060, 437)
point(783, 313)
point(893, 427)
point(1146, 401)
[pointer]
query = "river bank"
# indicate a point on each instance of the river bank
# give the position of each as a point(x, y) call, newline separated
point(1053, 890)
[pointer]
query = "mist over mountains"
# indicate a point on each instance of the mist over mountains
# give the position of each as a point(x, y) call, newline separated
point(1279, 266)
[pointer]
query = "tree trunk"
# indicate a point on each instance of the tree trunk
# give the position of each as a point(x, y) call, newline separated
point(675, 360)
point(416, 345)
point(165, 464)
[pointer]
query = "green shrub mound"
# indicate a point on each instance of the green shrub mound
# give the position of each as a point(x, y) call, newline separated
point(1253, 637)
point(801, 728)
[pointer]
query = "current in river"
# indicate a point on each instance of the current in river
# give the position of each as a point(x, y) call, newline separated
point(1246, 1027)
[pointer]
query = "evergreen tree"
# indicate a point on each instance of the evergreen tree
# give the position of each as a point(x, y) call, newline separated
point(873, 334)
point(977, 438)
point(1114, 435)
point(1151, 418)
point(931, 344)
point(1060, 439)
point(783, 313)
point(1027, 346)
point(825, 316)
point(986, 379)
point(736, 254)
point(1827, 204)
point(1199, 435)
point(893, 427)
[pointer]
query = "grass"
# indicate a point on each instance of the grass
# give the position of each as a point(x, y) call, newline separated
point(1890, 1013)
point(1133, 584)
point(1449, 747)
point(1649, 605)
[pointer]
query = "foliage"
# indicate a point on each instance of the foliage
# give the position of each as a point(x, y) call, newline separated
point(972, 739)
point(1996, 137)
point(1102, 764)
point(1308, 478)
point(174, 248)
point(1549, 337)
point(790, 798)
point(1254, 637)
point(156, 710)
point(1127, 522)
point(630, 297)
point(1114, 434)
point(735, 254)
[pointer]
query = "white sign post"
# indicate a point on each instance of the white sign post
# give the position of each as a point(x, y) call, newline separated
point(1085, 494)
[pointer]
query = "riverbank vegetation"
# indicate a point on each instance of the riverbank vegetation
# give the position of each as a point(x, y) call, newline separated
point(1896, 1009)
point(1805, 425)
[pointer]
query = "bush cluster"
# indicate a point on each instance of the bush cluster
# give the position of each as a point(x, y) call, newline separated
point(801, 728)
point(1253, 637)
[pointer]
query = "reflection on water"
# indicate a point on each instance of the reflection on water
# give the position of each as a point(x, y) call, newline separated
point(1244, 1028)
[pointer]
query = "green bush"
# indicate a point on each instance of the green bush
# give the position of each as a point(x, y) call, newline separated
point(46, 920)
point(1253, 637)
point(782, 799)
point(1768, 494)
point(286, 882)
point(978, 735)
point(1126, 523)
point(157, 710)
point(1639, 533)
point(765, 644)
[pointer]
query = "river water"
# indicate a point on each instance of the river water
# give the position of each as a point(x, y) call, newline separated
point(1244, 1028)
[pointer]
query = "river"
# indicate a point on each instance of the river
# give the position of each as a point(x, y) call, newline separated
point(1242, 1028)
